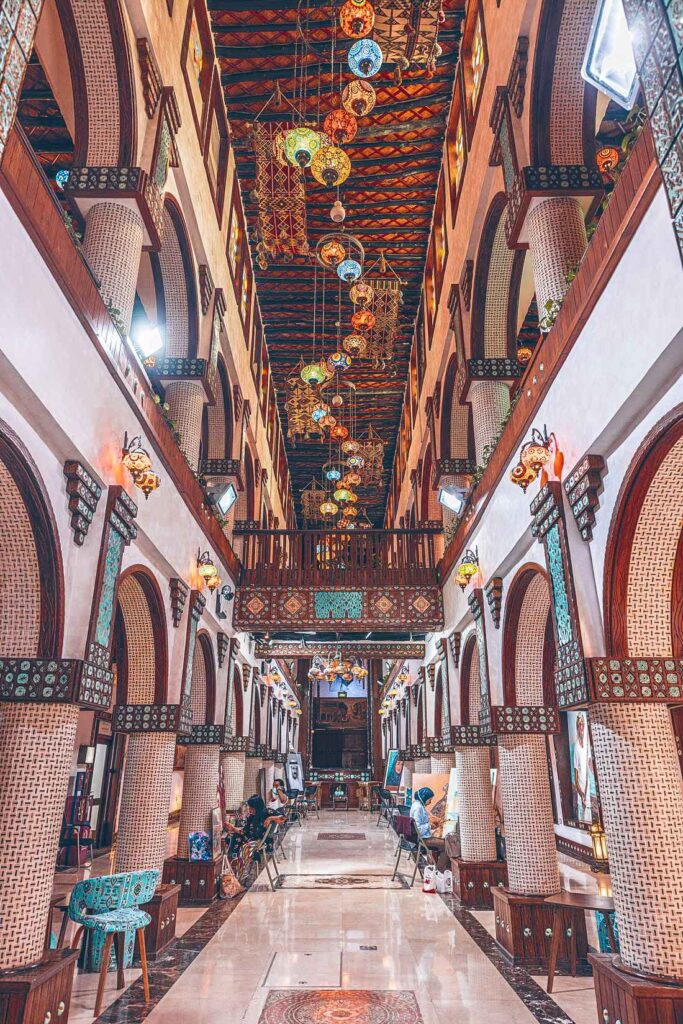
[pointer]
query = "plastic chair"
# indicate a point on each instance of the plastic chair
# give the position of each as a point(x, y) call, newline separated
point(109, 908)
point(340, 794)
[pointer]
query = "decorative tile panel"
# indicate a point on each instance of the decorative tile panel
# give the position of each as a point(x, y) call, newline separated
point(471, 736)
point(341, 604)
point(203, 735)
point(137, 718)
point(583, 487)
point(551, 181)
point(182, 368)
point(452, 467)
point(418, 607)
point(524, 719)
point(18, 20)
point(85, 183)
point(494, 369)
point(636, 680)
point(84, 493)
point(235, 744)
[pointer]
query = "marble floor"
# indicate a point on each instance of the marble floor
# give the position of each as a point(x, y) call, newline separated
point(403, 957)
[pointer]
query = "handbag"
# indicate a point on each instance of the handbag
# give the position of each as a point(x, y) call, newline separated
point(229, 885)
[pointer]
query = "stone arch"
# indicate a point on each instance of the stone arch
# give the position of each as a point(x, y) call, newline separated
point(203, 691)
point(176, 286)
point(644, 620)
point(140, 629)
point(470, 686)
point(102, 81)
point(31, 573)
point(497, 280)
point(217, 433)
point(562, 122)
point(528, 641)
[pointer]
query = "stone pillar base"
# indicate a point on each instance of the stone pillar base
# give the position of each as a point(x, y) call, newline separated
point(524, 932)
point(198, 879)
point(622, 996)
point(474, 880)
point(160, 932)
point(39, 993)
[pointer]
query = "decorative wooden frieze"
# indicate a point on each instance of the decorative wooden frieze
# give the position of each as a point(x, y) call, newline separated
point(221, 467)
point(583, 487)
point(466, 279)
point(150, 76)
point(245, 526)
point(179, 591)
point(87, 185)
point(547, 182)
point(418, 751)
point(237, 402)
point(522, 719)
point(235, 744)
point(454, 642)
point(516, 85)
point(471, 736)
point(451, 467)
point(206, 287)
point(84, 493)
point(202, 736)
point(350, 650)
point(172, 368)
point(494, 597)
point(137, 718)
point(55, 681)
point(223, 645)
point(635, 680)
point(549, 526)
point(439, 745)
point(494, 369)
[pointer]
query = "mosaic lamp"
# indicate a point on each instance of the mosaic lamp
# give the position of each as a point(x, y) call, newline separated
point(328, 421)
point(340, 126)
point(350, 511)
point(313, 373)
point(361, 294)
point(363, 320)
point(332, 252)
point(319, 413)
point(365, 58)
point(147, 482)
point(358, 97)
point(329, 508)
point(469, 566)
point(522, 476)
point(350, 447)
point(339, 433)
point(301, 145)
point(330, 166)
point(342, 494)
point(349, 270)
point(134, 457)
point(333, 473)
point(352, 479)
point(535, 455)
point(524, 354)
point(337, 401)
point(206, 568)
point(357, 18)
point(355, 344)
point(355, 461)
point(339, 361)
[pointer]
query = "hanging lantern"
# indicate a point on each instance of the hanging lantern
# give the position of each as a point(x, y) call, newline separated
point(332, 252)
point(340, 126)
point(362, 293)
point(352, 479)
point(328, 508)
point(349, 270)
point(350, 512)
point(355, 461)
point(524, 354)
point(355, 344)
point(607, 159)
point(363, 320)
point(333, 474)
point(469, 566)
point(359, 97)
point(301, 145)
point(319, 413)
point(522, 476)
point(357, 18)
point(365, 58)
point(339, 433)
point(205, 567)
point(535, 456)
point(328, 421)
point(313, 373)
point(352, 497)
point(339, 361)
point(135, 458)
point(341, 494)
point(330, 166)
point(350, 447)
point(461, 580)
point(337, 401)
point(337, 213)
point(147, 482)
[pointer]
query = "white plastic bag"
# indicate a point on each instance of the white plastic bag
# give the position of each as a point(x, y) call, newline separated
point(428, 881)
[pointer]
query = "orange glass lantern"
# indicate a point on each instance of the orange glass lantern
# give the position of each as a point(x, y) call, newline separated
point(522, 476)
point(339, 432)
point(350, 447)
point(524, 354)
point(328, 421)
point(363, 320)
point(357, 18)
point(358, 97)
point(340, 126)
point(332, 252)
point(535, 456)
point(607, 159)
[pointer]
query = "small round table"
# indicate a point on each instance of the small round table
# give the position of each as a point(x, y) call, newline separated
point(576, 903)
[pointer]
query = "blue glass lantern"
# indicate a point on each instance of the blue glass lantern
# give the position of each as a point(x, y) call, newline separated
point(365, 58)
point(339, 361)
point(61, 178)
point(319, 412)
point(349, 270)
point(333, 473)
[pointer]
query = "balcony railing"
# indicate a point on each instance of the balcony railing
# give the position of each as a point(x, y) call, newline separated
point(324, 558)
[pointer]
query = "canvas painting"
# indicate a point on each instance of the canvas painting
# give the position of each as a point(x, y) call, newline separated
point(438, 782)
point(394, 771)
point(584, 789)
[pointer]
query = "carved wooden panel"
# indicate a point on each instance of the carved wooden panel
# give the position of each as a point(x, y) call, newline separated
point(84, 494)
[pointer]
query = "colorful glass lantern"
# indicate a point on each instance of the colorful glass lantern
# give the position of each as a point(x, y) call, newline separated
point(355, 344)
point(333, 474)
point(535, 456)
point(361, 294)
point(349, 270)
point(352, 497)
point(355, 462)
point(205, 568)
point(357, 18)
point(147, 482)
point(469, 566)
point(340, 126)
point(350, 447)
point(350, 512)
point(365, 58)
point(301, 145)
point(330, 166)
point(339, 361)
point(363, 320)
point(337, 401)
point(329, 508)
point(461, 580)
point(313, 373)
point(359, 97)
point(522, 476)
point(352, 479)
point(328, 421)
point(332, 252)
point(319, 413)
point(524, 354)
point(342, 494)
point(343, 523)
point(135, 458)
point(607, 159)
point(339, 432)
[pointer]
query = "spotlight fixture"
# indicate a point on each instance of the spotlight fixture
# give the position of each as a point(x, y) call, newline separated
point(609, 63)
point(148, 338)
point(452, 498)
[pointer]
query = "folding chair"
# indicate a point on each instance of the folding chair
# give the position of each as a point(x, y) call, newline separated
point(311, 800)
point(409, 842)
point(261, 849)
point(386, 806)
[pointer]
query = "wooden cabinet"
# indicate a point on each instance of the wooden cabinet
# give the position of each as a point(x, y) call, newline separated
point(163, 909)
point(198, 879)
point(40, 994)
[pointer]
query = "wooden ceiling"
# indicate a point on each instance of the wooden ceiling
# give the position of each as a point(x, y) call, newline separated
point(389, 195)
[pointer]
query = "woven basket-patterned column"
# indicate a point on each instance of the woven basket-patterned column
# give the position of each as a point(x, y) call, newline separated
point(477, 824)
point(36, 750)
point(113, 246)
point(408, 770)
point(200, 786)
point(529, 827)
point(490, 403)
point(145, 800)
point(232, 770)
point(442, 762)
point(642, 805)
point(252, 767)
point(186, 399)
point(557, 242)
point(423, 765)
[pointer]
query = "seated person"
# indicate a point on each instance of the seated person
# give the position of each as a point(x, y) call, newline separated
point(277, 796)
point(258, 820)
point(424, 823)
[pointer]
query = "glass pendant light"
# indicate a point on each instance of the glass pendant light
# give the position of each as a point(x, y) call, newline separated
point(330, 166)
point(365, 58)
point(357, 18)
point(349, 270)
point(358, 97)
point(301, 145)
point(355, 344)
point(340, 126)
point(361, 294)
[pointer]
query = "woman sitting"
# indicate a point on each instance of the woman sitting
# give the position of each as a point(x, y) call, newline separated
point(258, 820)
point(424, 825)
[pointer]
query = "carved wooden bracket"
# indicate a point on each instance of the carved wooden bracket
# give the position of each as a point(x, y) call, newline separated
point(223, 644)
point(494, 596)
point(179, 591)
point(206, 287)
point(84, 494)
point(583, 487)
point(466, 282)
point(454, 642)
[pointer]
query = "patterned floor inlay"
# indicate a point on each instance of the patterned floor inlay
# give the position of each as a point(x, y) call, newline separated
point(341, 836)
point(328, 1006)
point(324, 882)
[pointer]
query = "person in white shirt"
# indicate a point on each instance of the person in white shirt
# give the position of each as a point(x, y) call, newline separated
point(582, 771)
point(277, 797)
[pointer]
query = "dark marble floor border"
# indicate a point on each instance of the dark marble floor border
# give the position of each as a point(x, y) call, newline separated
point(542, 1006)
point(130, 1007)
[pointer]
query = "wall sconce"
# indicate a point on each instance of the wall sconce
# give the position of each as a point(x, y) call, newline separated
point(138, 463)
point(599, 841)
point(468, 568)
point(207, 570)
point(534, 458)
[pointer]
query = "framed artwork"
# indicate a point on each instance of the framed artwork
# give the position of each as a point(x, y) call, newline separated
point(179, 758)
point(585, 808)
point(456, 146)
point(294, 773)
point(393, 773)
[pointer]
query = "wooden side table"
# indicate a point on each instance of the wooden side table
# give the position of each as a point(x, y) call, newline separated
point(576, 903)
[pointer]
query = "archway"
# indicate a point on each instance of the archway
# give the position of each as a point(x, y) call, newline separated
point(200, 782)
point(496, 288)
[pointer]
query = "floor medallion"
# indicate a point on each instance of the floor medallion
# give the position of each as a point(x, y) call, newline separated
point(328, 1006)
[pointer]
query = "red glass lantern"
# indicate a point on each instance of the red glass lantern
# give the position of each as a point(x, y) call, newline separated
point(357, 18)
point(363, 320)
point(340, 126)
point(339, 432)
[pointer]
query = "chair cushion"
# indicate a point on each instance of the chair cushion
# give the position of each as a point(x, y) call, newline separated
point(117, 920)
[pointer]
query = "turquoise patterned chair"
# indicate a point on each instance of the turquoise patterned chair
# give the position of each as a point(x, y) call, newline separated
point(108, 908)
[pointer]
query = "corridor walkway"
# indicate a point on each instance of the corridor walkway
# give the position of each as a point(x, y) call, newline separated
point(341, 943)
